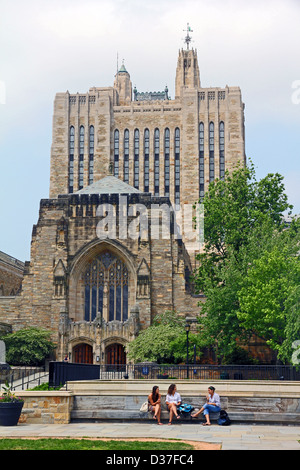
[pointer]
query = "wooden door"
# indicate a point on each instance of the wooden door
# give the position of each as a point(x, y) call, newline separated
point(115, 355)
point(83, 354)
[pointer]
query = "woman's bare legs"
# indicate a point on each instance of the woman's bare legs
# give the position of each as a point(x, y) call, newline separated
point(157, 412)
point(173, 411)
point(198, 413)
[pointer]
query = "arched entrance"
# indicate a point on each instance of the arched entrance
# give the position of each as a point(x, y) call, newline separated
point(83, 354)
point(115, 357)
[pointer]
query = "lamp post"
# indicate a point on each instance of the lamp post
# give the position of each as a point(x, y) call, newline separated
point(187, 329)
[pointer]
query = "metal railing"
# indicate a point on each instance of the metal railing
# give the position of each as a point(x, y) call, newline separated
point(23, 378)
point(61, 372)
point(199, 372)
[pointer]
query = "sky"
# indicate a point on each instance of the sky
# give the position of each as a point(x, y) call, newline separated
point(50, 46)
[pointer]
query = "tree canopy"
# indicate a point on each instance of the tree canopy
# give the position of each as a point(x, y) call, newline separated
point(29, 346)
point(249, 268)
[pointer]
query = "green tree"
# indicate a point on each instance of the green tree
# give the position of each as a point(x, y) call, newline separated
point(267, 298)
point(241, 217)
point(163, 342)
point(28, 346)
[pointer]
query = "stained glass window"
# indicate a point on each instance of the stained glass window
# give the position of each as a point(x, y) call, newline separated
point(177, 166)
point(156, 162)
point(167, 162)
point(108, 276)
point(126, 156)
point(201, 160)
point(81, 155)
point(211, 152)
point(116, 153)
point(222, 150)
point(146, 161)
point(91, 155)
point(71, 159)
point(136, 158)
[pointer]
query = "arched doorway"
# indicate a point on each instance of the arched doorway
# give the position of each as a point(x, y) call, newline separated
point(83, 354)
point(115, 357)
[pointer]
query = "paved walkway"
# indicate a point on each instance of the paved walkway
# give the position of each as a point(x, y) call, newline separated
point(234, 437)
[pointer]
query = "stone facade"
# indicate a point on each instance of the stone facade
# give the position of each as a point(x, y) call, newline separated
point(97, 292)
point(112, 109)
point(11, 275)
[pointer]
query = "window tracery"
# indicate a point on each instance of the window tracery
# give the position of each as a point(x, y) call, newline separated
point(106, 282)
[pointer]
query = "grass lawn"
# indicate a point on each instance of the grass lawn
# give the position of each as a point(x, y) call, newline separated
point(89, 444)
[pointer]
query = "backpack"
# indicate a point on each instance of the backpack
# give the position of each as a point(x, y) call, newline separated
point(185, 409)
point(224, 419)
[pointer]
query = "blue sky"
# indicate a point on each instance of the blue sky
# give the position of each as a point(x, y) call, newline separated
point(54, 46)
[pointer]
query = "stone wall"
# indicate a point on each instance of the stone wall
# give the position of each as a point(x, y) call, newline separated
point(46, 407)
point(254, 401)
point(11, 275)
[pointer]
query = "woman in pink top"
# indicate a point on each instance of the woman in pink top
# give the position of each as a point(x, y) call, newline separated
point(173, 399)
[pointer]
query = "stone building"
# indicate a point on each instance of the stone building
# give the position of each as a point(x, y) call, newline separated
point(11, 275)
point(101, 266)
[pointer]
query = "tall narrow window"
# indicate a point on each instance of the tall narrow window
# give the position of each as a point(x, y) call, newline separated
point(211, 151)
point(222, 150)
point(81, 155)
point(146, 161)
point(126, 156)
point(201, 160)
point(109, 274)
point(91, 154)
point(71, 159)
point(167, 162)
point(116, 153)
point(156, 162)
point(177, 166)
point(136, 158)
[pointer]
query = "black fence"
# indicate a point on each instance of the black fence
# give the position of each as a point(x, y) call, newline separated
point(62, 372)
point(203, 372)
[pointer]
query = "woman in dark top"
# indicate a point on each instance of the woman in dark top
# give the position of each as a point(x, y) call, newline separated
point(154, 400)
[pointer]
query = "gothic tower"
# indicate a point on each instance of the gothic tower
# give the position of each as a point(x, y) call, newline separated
point(187, 72)
point(124, 86)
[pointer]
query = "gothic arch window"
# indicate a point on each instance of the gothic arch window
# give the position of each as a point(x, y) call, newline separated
point(106, 281)
point(201, 160)
point(126, 156)
point(146, 160)
point(177, 166)
point(222, 150)
point(156, 162)
point(71, 158)
point(211, 151)
point(136, 158)
point(167, 162)
point(116, 153)
point(81, 155)
point(91, 154)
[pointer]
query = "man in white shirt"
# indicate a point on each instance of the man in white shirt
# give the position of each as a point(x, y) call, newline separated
point(212, 405)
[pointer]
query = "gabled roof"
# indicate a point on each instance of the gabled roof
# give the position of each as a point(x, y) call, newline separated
point(109, 185)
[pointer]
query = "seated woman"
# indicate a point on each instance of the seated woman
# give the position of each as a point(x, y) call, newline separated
point(154, 401)
point(212, 405)
point(173, 399)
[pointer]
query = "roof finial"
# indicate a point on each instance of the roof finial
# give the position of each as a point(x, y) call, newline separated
point(188, 38)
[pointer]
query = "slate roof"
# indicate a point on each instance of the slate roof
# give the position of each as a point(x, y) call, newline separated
point(109, 185)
